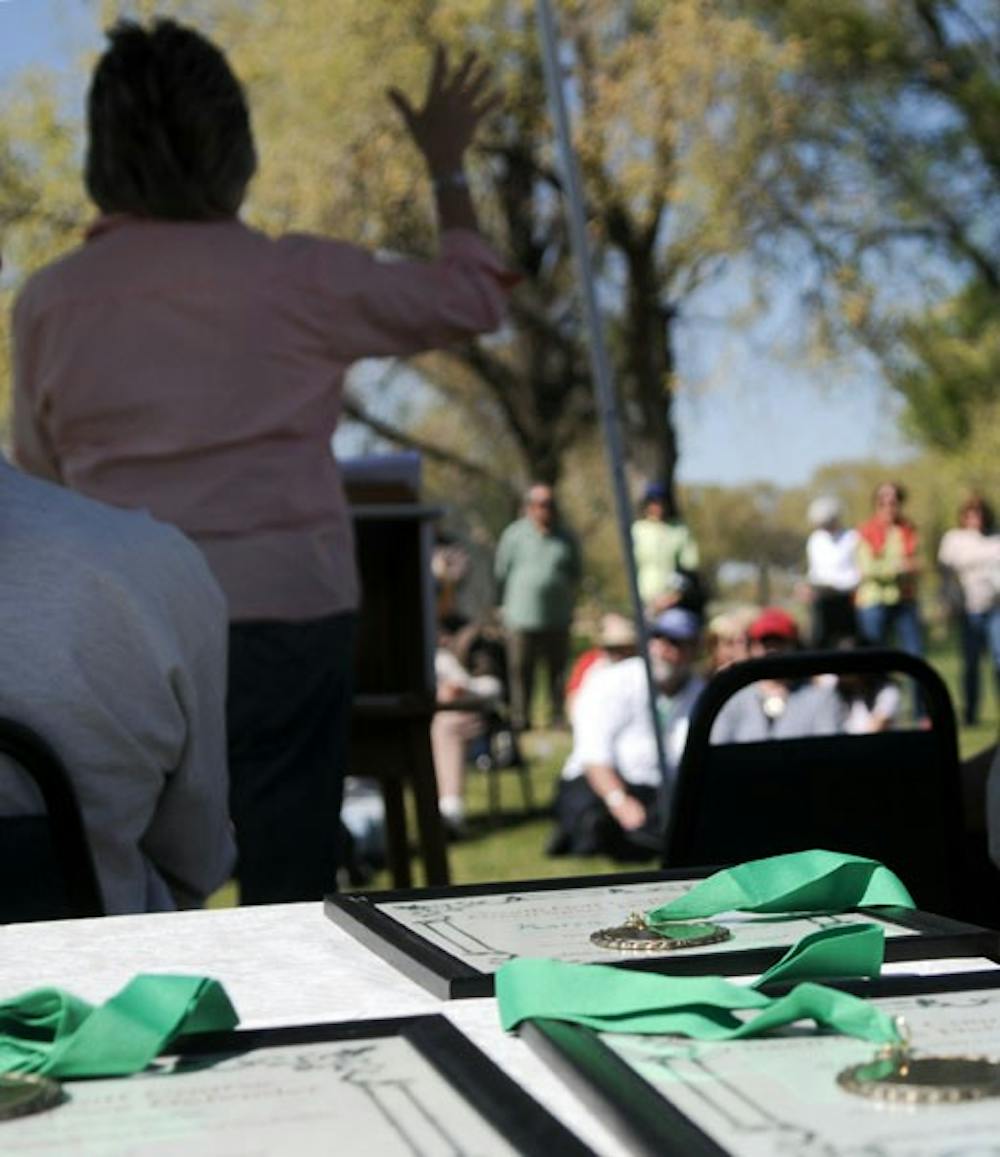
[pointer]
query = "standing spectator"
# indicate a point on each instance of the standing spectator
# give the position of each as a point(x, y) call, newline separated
point(611, 797)
point(538, 572)
point(666, 554)
point(831, 554)
point(972, 552)
point(888, 563)
point(182, 362)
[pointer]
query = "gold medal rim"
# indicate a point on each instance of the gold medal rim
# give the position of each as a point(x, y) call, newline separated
point(904, 1093)
point(657, 942)
point(47, 1094)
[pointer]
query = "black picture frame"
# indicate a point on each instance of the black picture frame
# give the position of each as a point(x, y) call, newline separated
point(449, 978)
point(647, 1122)
point(496, 1097)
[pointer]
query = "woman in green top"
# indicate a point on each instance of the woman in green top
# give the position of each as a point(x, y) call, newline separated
point(666, 554)
point(887, 559)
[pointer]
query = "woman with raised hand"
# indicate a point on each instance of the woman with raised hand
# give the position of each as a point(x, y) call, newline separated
point(181, 362)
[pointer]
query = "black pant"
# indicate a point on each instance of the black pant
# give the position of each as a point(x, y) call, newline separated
point(524, 651)
point(585, 827)
point(288, 713)
point(833, 617)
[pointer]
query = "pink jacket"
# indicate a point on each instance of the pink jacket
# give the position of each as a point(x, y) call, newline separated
point(196, 370)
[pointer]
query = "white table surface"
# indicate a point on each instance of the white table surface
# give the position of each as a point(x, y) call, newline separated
point(281, 965)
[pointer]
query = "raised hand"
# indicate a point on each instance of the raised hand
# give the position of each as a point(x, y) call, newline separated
point(454, 105)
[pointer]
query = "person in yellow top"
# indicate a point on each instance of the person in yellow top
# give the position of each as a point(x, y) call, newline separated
point(665, 551)
point(886, 598)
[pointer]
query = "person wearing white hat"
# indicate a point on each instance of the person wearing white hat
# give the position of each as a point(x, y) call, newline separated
point(611, 798)
point(831, 552)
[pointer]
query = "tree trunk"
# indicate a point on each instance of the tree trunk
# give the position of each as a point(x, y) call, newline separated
point(649, 365)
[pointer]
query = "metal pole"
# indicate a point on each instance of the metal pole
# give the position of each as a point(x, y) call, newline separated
point(600, 366)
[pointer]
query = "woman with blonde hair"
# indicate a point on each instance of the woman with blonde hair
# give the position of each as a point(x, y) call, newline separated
point(726, 638)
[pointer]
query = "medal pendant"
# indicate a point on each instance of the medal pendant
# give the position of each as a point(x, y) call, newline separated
point(895, 1076)
point(22, 1094)
point(636, 936)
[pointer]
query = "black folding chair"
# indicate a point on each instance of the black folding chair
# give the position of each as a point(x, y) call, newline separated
point(895, 795)
point(46, 868)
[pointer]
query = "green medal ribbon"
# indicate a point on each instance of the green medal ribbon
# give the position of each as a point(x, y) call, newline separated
point(55, 1034)
point(702, 1007)
point(845, 950)
point(800, 882)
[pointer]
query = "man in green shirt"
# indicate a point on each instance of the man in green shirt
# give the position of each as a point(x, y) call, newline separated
point(537, 572)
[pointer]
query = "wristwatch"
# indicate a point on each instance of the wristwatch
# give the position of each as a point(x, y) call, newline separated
point(614, 798)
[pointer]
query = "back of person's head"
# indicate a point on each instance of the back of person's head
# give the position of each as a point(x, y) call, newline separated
point(169, 128)
point(824, 510)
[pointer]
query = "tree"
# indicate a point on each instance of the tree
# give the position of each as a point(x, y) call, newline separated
point(901, 132)
point(677, 104)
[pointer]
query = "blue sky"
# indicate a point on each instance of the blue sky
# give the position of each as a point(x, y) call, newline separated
point(743, 413)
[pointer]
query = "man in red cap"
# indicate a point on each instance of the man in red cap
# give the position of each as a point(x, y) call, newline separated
point(778, 709)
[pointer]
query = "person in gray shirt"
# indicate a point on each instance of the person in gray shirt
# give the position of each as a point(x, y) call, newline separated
point(773, 709)
point(537, 570)
point(113, 633)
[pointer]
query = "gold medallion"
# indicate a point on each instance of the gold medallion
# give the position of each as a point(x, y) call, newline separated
point(635, 935)
point(23, 1093)
point(895, 1076)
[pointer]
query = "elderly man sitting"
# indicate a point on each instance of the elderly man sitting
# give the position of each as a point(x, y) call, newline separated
point(779, 709)
point(114, 634)
point(610, 797)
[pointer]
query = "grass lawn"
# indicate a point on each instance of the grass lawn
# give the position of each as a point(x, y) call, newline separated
point(512, 846)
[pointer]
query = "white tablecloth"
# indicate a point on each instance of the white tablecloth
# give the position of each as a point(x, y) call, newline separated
point(281, 965)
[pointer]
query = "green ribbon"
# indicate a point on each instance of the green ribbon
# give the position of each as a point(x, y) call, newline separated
point(702, 1007)
point(54, 1033)
point(845, 950)
point(800, 882)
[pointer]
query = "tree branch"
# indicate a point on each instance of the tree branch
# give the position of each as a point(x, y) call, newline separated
point(354, 410)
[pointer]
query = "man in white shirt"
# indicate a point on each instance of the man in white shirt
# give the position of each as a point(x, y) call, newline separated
point(612, 799)
point(831, 553)
point(778, 708)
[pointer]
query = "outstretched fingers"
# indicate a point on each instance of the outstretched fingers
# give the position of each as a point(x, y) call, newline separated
point(403, 106)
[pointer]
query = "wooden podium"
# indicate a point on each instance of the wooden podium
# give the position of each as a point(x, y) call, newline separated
point(394, 687)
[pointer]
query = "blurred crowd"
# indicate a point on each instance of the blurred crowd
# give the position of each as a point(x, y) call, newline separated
point(862, 591)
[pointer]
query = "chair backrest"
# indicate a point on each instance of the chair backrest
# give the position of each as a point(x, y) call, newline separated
point(894, 796)
point(46, 868)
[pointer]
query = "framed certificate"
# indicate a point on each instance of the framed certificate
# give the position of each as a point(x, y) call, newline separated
point(779, 1093)
point(452, 940)
point(393, 1087)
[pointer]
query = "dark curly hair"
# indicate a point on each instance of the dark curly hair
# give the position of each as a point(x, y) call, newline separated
point(169, 128)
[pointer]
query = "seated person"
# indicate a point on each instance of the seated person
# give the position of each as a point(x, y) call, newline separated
point(114, 633)
point(616, 641)
point(872, 700)
point(609, 799)
point(778, 709)
point(726, 638)
point(993, 807)
point(453, 730)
